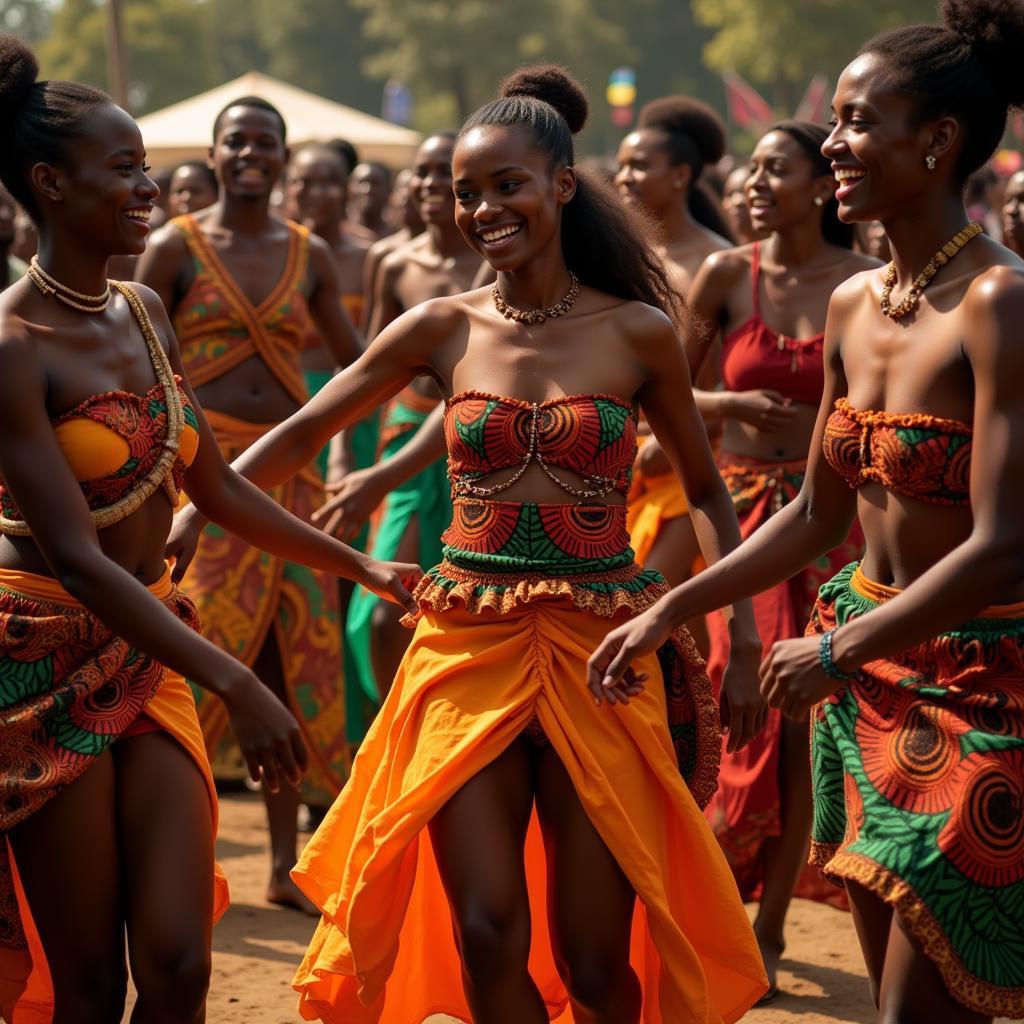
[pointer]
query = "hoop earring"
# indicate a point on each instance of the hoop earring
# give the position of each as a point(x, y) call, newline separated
point(929, 161)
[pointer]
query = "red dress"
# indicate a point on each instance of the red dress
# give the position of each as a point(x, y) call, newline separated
point(745, 810)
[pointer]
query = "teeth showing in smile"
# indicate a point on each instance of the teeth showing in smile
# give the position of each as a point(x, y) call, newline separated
point(848, 174)
point(142, 215)
point(758, 204)
point(499, 234)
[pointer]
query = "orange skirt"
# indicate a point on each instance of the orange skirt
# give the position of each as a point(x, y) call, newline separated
point(26, 995)
point(468, 686)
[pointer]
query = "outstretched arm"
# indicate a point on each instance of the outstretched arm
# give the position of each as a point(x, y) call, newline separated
point(234, 503)
point(358, 493)
point(815, 522)
point(49, 498)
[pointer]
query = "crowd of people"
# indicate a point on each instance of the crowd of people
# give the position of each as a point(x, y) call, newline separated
point(576, 551)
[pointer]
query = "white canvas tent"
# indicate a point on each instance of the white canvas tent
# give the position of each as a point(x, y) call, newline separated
point(183, 130)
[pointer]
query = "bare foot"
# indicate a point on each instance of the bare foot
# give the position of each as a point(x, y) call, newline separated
point(283, 892)
point(771, 954)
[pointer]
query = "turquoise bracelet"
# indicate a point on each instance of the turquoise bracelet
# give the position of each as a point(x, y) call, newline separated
point(828, 666)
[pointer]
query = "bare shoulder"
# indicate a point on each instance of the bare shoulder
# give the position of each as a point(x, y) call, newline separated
point(19, 353)
point(851, 291)
point(994, 300)
point(430, 322)
point(642, 325)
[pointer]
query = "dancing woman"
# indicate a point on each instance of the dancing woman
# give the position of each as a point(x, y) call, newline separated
point(773, 377)
point(916, 655)
point(488, 724)
point(108, 811)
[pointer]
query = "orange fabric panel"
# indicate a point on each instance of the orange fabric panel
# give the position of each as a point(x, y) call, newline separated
point(467, 687)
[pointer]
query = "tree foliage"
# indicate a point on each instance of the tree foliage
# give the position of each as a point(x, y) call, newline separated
point(783, 43)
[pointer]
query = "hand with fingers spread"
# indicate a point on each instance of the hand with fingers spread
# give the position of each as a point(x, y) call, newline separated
point(792, 678)
point(267, 733)
point(767, 410)
point(183, 541)
point(609, 672)
point(393, 581)
point(353, 500)
point(742, 707)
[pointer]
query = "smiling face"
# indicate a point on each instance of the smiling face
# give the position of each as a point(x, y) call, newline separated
point(248, 153)
point(509, 197)
point(877, 149)
point(432, 170)
point(1013, 213)
point(315, 187)
point(646, 175)
point(782, 184)
point(104, 193)
point(190, 190)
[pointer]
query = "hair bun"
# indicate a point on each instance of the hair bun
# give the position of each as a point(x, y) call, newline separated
point(994, 31)
point(684, 115)
point(554, 85)
point(19, 71)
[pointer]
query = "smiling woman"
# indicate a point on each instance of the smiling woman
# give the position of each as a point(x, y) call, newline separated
point(493, 784)
point(108, 813)
point(913, 672)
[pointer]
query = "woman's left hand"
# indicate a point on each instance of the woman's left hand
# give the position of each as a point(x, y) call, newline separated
point(792, 679)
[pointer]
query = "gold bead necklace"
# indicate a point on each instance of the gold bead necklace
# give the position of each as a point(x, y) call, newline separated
point(537, 316)
point(49, 285)
point(940, 259)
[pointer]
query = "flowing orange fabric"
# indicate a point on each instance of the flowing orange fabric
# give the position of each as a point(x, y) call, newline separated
point(26, 995)
point(467, 687)
point(242, 593)
point(653, 501)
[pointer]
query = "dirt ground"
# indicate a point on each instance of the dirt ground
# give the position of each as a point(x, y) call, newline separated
point(257, 947)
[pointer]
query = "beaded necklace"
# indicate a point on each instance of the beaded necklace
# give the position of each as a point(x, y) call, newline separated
point(537, 316)
point(49, 285)
point(940, 259)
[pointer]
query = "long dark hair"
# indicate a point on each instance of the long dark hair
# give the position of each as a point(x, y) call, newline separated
point(810, 137)
point(603, 243)
point(39, 120)
point(695, 136)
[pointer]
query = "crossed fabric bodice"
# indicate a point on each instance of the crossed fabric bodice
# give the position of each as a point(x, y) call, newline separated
point(594, 436)
point(922, 456)
point(219, 328)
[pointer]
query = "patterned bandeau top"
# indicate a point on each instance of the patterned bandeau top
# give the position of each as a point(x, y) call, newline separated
point(594, 436)
point(922, 456)
point(122, 446)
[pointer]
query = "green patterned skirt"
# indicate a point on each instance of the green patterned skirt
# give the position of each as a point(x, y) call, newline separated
point(918, 775)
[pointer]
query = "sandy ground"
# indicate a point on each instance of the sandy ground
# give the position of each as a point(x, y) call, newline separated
point(257, 947)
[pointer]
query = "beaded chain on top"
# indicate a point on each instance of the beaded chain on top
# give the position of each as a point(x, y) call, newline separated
point(49, 285)
point(940, 259)
point(537, 316)
point(602, 485)
point(162, 473)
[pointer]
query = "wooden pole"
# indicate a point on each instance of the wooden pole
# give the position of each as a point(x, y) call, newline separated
point(117, 57)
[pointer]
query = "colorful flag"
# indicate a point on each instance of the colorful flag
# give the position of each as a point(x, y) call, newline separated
point(747, 107)
point(814, 105)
